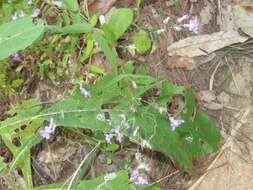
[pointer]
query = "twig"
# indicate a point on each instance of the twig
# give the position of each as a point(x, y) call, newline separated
point(212, 76)
point(72, 177)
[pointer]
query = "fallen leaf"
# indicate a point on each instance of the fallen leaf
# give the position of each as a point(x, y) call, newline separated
point(244, 18)
point(101, 7)
point(204, 44)
point(207, 96)
point(189, 63)
point(223, 98)
point(206, 14)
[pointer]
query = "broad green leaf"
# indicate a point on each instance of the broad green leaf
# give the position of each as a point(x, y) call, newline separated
point(71, 4)
point(76, 28)
point(87, 52)
point(244, 18)
point(207, 130)
point(142, 42)
point(109, 52)
point(119, 22)
point(109, 181)
point(18, 35)
point(27, 137)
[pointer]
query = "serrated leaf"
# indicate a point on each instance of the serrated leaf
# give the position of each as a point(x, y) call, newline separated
point(244, 18)
point(18, 35)
point(119, 22)
point(142, 42)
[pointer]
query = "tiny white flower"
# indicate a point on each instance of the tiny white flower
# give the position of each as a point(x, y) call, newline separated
point(102, 20)
point(166, 20)
point(100, 117)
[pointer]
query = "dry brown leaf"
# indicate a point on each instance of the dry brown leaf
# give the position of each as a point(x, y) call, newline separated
point(205, 44)
point(189, 63)
point(207, 96)
point(101, 7)
point(206, 14)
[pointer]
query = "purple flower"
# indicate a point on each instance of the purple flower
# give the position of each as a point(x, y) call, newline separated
point(193, 25)
point(16, 57)
point(108, 138)
point(84, 92)
point(48, 130)
point(174, 123)
point(119, 136)
point(137, 179)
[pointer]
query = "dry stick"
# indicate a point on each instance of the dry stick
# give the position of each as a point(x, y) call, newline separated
point(226, 145)
point(212, 76)
point(72, 178)
point(165, 177)
point(233, 76)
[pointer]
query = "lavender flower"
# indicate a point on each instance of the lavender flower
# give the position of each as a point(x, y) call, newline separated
point(137, 179)
point(16, 57)
point(48, 130)
point(119, 136)
point(84, 92)
point(175, 123)
point(108, 138)
point(193, 25)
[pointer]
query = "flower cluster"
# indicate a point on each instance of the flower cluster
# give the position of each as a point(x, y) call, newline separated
point(138, 179)
point(193, 25)
point(16, 57)
point(114, 132)
point(174, 123)
point(84, 92)
point(186, 21)
point(48, 130)
point(139, 174)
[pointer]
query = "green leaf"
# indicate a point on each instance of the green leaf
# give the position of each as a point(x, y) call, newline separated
point(71, 4)
point(109, 181)
point(27, 138)
point(244, 19)
point(110, 53)
point(142, 42)
point(119, 22)
point(207, 130)
point(18, 35)
point(77, 28)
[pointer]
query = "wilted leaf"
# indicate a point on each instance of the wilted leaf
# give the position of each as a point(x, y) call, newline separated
point(205, 44)
point(17, 35)
point(244, 18)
